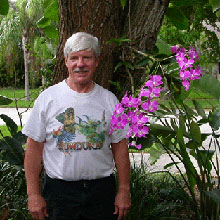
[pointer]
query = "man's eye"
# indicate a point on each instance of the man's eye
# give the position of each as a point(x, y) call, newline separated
point(73, 58)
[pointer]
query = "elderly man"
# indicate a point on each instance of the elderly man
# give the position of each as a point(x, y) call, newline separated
point(68, 130)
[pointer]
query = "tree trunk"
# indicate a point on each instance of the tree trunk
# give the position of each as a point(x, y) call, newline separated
point(140, 21)
point(25, 41)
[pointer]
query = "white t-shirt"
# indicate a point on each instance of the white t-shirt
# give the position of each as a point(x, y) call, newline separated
point(75, 129)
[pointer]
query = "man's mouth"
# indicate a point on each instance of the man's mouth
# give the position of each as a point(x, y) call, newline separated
point(77, 70)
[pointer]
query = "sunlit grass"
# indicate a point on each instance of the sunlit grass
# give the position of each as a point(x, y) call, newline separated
point(18, 97)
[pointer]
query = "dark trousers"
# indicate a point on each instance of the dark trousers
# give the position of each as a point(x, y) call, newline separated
point(80, 200)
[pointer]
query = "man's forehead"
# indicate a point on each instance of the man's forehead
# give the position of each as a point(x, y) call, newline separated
point(81, 53)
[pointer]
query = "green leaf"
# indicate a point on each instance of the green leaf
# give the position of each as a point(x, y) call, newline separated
point(12, 126)
point(178, 19)
point(191, 145)
point(165, 108)
point(12, 151)
point(4, 7)
point(195, 133)
point(118, 41)
point(215, 195)
point(199, 109)
point(183, 126)
point(189, 111)
point(120, 64)
point(154, 68)
point(160, 130)
point(190, 169)
point(209, 84)
point(142, 62)
point(123, 3)
point(51, 32)
point(116, 84)
point(163, 47)
point(128, 65)
point(52, 11)
point(4, 100)
point(43, 22)
point(47, 3)
point(203, 158)
point(214, 119)
point(218, 13)
point(215, 5)
point(180, 3)
point(146, 142)
point(170, 164)
point(155, 152)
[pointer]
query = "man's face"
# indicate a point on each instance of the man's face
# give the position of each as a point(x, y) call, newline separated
point(81, 66)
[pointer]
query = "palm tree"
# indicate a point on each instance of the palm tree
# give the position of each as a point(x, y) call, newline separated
point(20, 29)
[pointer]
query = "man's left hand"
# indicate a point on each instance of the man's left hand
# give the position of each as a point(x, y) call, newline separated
point(122, 204)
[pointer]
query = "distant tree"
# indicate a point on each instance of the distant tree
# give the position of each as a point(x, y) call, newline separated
point(19, 28)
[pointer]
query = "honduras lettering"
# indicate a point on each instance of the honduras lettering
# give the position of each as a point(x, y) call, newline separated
point(66, 134)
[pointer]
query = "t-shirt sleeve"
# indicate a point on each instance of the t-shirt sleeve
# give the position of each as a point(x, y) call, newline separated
point(35, 127)
point(120, 134)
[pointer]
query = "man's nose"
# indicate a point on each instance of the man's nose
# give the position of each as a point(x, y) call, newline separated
point(80, 62)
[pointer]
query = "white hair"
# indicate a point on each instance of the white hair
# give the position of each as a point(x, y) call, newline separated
point(81, 41)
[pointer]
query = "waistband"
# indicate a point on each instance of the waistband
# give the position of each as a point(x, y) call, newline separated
point(81, 183)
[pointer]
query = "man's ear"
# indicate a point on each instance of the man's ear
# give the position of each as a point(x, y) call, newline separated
point(65, 60)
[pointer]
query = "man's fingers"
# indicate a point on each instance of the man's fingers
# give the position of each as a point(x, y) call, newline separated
point(41, 216)
point(120, 214)
point(116, 210)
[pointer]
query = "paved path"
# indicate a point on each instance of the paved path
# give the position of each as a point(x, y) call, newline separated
point(12, 113)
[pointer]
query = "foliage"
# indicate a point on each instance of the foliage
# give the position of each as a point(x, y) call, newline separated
point(48, 22)
point(22, 17)
point(184, 28)
point(175, 128)
point(157, 196)
point(13, 202)
point(11, 147)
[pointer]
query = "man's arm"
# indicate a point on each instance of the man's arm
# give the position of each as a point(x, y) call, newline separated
point(32, 165)
point(122, 162)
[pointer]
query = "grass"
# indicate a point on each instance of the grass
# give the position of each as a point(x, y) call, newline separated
point(206, 100)
point(19, 95)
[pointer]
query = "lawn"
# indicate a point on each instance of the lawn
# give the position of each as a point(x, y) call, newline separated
point(18, 97)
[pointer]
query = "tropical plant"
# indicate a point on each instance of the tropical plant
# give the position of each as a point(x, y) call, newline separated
point(13, 194)
point(170, 126)
point(161, 196)
point(11, 147)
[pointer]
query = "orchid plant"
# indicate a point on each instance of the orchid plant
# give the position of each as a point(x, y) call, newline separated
point(134, 111)
point(176, 129)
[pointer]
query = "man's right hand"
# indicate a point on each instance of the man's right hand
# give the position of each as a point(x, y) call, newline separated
point(37, 207)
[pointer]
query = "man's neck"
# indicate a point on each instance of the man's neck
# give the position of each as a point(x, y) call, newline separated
point(80, 88)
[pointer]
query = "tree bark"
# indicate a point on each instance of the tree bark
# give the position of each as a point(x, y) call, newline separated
point(99, 18)
point(140, 21)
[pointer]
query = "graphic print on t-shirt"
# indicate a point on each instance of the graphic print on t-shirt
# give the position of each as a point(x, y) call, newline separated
point(66, 135)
